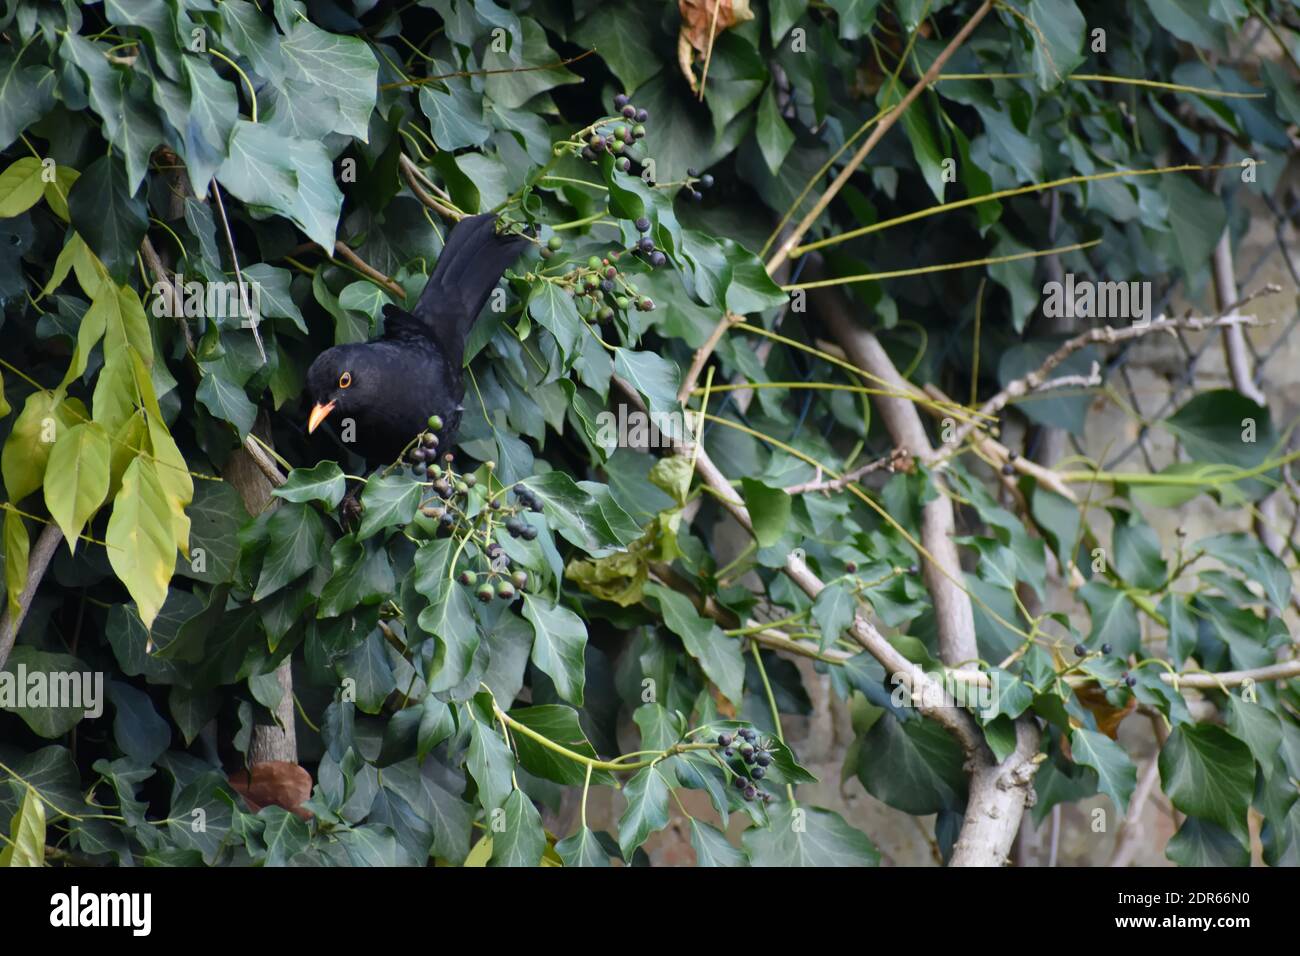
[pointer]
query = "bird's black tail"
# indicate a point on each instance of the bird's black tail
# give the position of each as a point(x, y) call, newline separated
point(472, 261)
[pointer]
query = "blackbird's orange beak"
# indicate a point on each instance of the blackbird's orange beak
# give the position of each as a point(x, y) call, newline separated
point(317, 416)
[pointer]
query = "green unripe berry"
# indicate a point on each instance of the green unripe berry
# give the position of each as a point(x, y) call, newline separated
point(555, 243)
point(435, 423)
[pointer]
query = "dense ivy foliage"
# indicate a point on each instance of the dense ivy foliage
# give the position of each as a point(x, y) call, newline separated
point(233, 143)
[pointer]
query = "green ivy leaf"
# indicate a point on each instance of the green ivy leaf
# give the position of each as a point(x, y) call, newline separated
point(647, 809)
point(582, 849)
point(523, 841)
point(807, 836)
point(560, 725)
point(718, 655)
point(560, 638)
point(297, 545)
point(387, 502)
point(323, 482)
point(1116, 775)
point(1209, 773)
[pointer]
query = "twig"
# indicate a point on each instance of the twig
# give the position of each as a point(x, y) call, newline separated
point(890, 461)
point(783, 251)
point(239, 276)
point(369, 271)
point(1108, 335)
point(410, 170)
point(38, 560)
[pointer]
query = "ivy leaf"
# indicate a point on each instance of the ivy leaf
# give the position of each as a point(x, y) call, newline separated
point(582, 849)
point(323, 482)
point(225, 399)
point(297, 545)
point(140, 538)
point(131, 122)
point(285, 835)
point(28, 94)
point(712, 848)
point(807, 836)
point(656, 378)
point(769, 509)
point(344, 67)
point(647, 809)
point(1116, 775)
point(912, 765)
point(560, 638)
point(1209, 773)
point(362, 575)
point(293, 178)
point(491, 764)
point(455, 116)
point(1057, 37)
point(553, 309)
point(1137, 554)
point(523, 841)
point(619, 35)
point(1249, 556)
point(774, 135)
point(1181, 626)
point(1202, 843)
point(1196, 220)
point(560, 725)
point(450, 618)
point(386, 502)
point(1114, 618)
point(108, 216)
point(718, 655)
point(833, 610)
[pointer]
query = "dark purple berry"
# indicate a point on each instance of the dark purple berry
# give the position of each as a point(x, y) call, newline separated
point(1080, 650)
point(706, 181)
point(724, 740)
point(620, 101)
point(642, 116)
point(646, 244)
point(1106, 648)
point(657, 259)
point(642, 224)
point(629, 111)
point(758, 773)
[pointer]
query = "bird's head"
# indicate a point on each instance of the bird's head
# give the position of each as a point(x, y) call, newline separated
point(342, 382)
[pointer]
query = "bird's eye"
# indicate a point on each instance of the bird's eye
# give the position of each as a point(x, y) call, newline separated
point(345, 380)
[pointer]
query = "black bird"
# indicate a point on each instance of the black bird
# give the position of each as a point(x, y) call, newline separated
point(391, 385)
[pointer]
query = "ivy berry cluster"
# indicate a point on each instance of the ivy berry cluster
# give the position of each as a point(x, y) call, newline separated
point(616, 137)
point(748, 758)
point(450, 507)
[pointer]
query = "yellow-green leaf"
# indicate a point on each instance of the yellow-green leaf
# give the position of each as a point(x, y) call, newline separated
point(26, 846)
point(27, 449)
point(4, 403)
point(125, 325)
point(140, 538)
point(20, 187)
point(76, 478)
point(93, 323)
point(16, 549)
point(56, 191)
point(76, 255)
